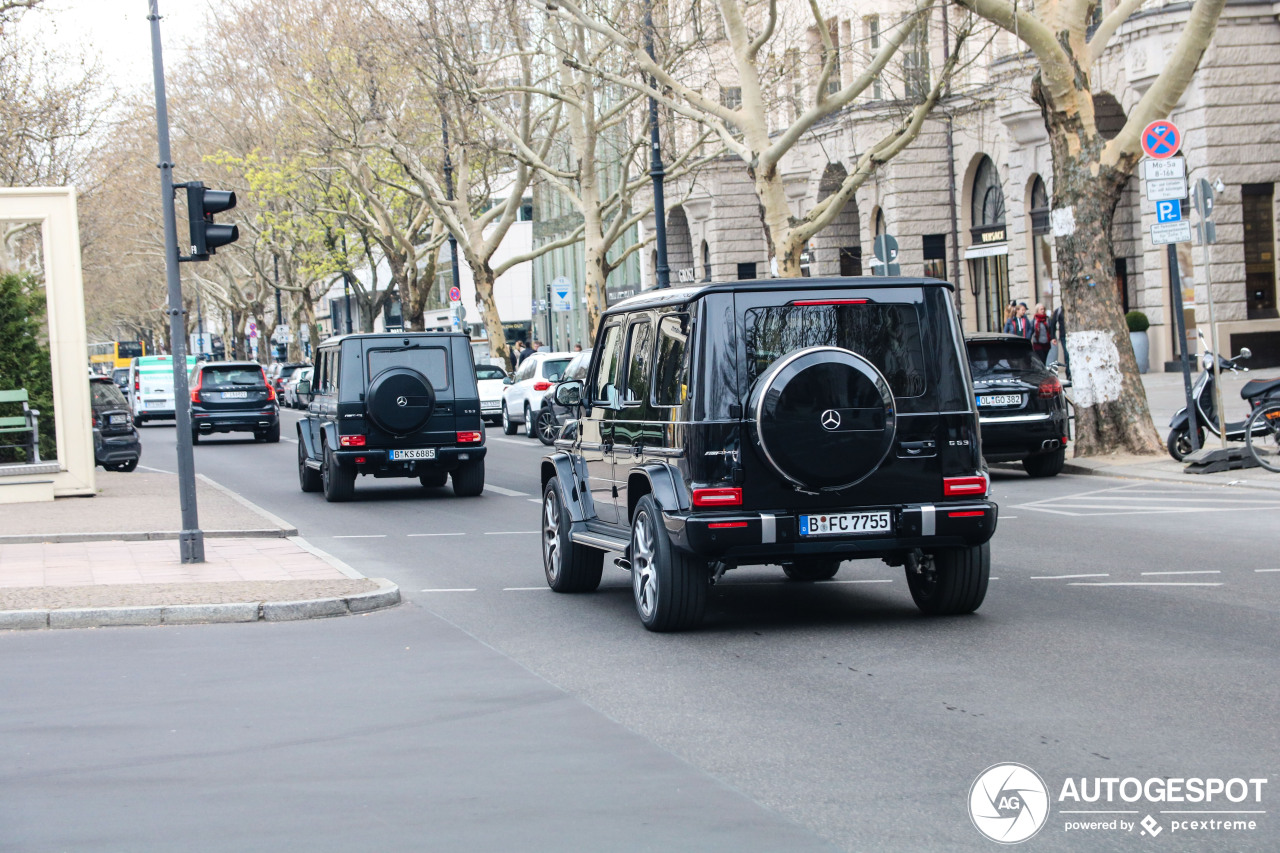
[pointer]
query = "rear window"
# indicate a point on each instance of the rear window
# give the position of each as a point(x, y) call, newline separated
point(288, 370)
point(490, 371)
point(106, 394)
point(886, 334)
point(1002, 358)
point(553, 368)
point(130, 349)
point(215, 377)
point(431, 362)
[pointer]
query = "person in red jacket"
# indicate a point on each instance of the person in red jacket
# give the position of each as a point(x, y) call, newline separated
point(1041, 333)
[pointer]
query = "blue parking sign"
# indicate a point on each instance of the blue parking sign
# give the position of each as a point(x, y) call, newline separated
point(1169, 211)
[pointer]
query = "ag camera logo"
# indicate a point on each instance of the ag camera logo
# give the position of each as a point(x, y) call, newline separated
point(1008, 803)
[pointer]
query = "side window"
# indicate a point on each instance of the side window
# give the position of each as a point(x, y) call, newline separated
point(604, 387)
point(526, 370)
point(671, 366)
point(335, 364)
point(639, 363)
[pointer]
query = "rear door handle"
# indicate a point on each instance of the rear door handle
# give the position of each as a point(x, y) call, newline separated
point(917, 448)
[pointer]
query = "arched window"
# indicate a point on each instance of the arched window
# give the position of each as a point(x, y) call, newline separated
point(988, 197)
point(706, 261)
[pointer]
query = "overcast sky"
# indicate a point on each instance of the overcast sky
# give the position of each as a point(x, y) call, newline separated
point(117, 33)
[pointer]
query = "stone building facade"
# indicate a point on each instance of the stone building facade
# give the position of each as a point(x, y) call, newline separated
point(970, 199)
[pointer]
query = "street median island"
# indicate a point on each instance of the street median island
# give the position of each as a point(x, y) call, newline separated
point(110, 561)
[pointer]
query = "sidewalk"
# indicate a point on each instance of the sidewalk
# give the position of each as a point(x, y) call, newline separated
point(114, 559)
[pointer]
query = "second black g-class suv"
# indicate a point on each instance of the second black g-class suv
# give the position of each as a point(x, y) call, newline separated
point(800, 423)
point(392, 405)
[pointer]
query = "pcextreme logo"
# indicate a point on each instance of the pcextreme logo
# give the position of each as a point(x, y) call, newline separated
point(1010, 802)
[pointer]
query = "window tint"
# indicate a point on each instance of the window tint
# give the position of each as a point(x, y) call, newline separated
point(431, 362)
point(639, 362)
point(239, 376)
point(553, 369)
point(670, 373)
point(886, 334)
point(605, 387)
point(490, 371)
point(526, 369)
point(106, 394)
point(987, 358)
point(577, 368)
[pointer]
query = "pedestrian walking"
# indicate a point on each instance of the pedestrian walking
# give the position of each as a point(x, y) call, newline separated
point(1019, 323)
point(1058, 328)
point(530, 351)
point(1041, 335)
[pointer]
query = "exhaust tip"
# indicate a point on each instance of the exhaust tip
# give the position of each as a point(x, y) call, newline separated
point(1050, 444)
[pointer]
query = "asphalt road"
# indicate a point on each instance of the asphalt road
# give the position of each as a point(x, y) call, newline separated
point(1129, 631)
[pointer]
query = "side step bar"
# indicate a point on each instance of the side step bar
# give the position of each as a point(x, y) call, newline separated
point(603, 541)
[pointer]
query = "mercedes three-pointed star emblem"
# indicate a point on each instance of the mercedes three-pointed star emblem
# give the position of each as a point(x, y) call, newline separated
point(402, 401)
point(831, 419)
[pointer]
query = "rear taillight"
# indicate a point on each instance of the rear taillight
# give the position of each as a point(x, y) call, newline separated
point(271, 392)
point(1050, 388)
point(717, 497)
point(195, 392)
point(542, 385)
point(351, 440)
point(810, 302)
point(957, 487)
point(469, 437)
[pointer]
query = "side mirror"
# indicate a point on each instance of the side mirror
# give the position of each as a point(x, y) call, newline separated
point(508, 380)
point(1245, 353)
point(569, 393)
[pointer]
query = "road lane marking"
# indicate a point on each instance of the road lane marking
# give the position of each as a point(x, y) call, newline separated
point(362, 536)
point(1267, 570)
point(524, 443)
point(511, 493)
point(436, 534)
point(468, 589)
point(525, 588)
point(534, 501)
point(1145, 583)
point(1195, 572)
point(511, 532)
point(157, 470)
point(1060, 577)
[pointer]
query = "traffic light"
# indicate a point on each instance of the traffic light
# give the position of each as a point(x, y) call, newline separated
point(207, 236)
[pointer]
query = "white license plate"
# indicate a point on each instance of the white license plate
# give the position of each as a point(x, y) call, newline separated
point(491, 404)
point(845, 523)
point(1000, 400)
point(116, 419)
point(421, 453)
point(235, 395)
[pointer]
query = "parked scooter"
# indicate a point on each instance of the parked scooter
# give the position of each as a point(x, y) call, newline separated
point(1255, 392)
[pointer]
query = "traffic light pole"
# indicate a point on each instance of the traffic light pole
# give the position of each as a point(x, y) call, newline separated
point(191, 539)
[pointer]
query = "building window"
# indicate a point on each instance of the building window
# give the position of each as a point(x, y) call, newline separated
point(915, 62)
point(706, 261)
point(1041, 250)
point(873, 39)
point(731, 96)
point(526, 212)
point(988, 255)
point(935, 256)
point(1257, 202)
point(833, 82)
point(746, 272)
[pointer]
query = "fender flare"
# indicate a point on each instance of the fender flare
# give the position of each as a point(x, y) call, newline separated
point(329, 431)
point(574, 497)
point(1180, 419)
point(666, 485)
point(304, 439)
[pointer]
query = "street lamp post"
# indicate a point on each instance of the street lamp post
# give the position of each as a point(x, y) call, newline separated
point(662, 271)
point(275, 262)
point(448, 194)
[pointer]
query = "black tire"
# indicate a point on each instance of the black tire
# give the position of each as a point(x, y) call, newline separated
point(954, 584)
point(433, 479)
point(1045, 464)
point(309, 479)
point(528, 422)
point(1179, 442)
point(812, 569)
point(1264, 445)
point(545, 426)
point(669, 586)
point(272, 434)
point(468, 479)
point(337, 481)
point(509, 427)
point(569, 567)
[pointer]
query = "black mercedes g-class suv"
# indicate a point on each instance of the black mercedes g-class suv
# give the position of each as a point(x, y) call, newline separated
point(791, 422)
point(392, 405)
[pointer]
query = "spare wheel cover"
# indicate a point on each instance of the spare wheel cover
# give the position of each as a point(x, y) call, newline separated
point(400, 400)
point(824, 418)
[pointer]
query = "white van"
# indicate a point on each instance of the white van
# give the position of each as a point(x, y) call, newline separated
point(150, 388)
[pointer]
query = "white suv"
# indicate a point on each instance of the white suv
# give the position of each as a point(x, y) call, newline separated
point(532, 380)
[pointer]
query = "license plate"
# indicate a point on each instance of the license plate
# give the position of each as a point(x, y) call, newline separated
point(1000, 400)
point(421, 453)
point(116, 419)
point(846, 523)
point(235, 395)
point(491, 404)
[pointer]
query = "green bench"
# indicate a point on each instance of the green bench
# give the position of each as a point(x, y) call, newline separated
point(28, 424)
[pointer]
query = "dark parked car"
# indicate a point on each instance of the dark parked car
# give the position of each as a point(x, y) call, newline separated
point(383, 405)
point(233, 396)
point(115, 439)
point(549, 420)
point(280, 373)
point(120, 376)
point(795, 422)
point(1021, 406)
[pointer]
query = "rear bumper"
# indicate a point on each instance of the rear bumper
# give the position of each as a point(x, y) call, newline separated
point(1009, 439)
point(755, 537)
point(375, 462)
point(249, 421)
point(115, 449)
point(154, 413)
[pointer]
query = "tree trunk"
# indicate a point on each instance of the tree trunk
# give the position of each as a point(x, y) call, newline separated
point(596, 274)
point(483, 276)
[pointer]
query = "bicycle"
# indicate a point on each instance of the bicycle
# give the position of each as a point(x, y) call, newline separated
point(1262, 435)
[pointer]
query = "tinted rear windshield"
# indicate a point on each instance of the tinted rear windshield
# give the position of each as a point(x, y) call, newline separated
point(991, 358)
point(490, 371)
point(129, 349)
point(554, 368)
point(431, 362)
point(215, 377)
point(887, 335)
point(106, 394)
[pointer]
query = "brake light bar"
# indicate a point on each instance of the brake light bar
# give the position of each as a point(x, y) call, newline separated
point(717, 497)
point(469, 437)
point(542, 385)
point(195, 392)
point(973, 513)
point(954, 487)
point(722, 524)
point(352, 440)
point(831, 302)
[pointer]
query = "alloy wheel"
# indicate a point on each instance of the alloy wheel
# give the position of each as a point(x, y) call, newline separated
point(551, 537)
point(644, 577)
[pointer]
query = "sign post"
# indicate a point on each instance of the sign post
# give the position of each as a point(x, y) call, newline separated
point(1202, 198)
point(886, 252)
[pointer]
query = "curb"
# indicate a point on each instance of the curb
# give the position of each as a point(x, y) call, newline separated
point(1126, 473)
point(386, 595)
point(143, 536)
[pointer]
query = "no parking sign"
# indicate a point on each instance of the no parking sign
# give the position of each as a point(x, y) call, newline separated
point(1161, 139)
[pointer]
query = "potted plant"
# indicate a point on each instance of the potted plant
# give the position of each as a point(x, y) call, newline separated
point(1138, 325)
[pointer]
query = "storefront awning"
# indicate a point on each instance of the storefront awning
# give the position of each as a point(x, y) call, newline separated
point(986, 251)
